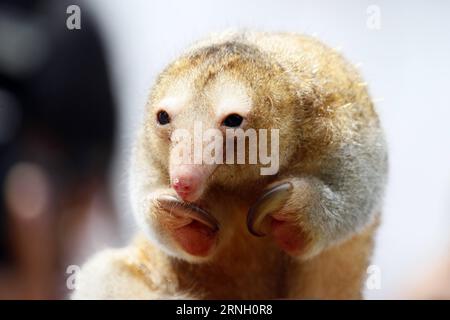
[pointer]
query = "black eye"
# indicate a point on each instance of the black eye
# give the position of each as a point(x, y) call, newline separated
point(233, 120)
point(163, 117)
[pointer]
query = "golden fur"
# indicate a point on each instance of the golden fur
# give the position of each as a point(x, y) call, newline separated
point(330, 145)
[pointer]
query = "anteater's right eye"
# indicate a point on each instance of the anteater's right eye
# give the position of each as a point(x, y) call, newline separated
point(162, 117)
point(233, 120)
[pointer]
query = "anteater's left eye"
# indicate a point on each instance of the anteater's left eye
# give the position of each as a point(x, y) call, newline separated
point(163, 117)
point(233, 120)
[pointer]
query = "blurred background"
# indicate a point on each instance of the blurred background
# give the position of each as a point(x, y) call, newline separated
point(72, 94)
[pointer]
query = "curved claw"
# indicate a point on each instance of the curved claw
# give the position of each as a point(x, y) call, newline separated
point(173, 204)
point(271, 201)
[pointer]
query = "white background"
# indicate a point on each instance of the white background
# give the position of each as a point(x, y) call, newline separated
point(406, 64)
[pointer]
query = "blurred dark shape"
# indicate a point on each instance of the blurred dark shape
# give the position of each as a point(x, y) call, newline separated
point(57, 124)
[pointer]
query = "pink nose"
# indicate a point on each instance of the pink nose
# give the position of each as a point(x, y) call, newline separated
point(184, 186)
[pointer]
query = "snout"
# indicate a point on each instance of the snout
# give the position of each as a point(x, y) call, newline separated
point(187, 187)
point(189, 181)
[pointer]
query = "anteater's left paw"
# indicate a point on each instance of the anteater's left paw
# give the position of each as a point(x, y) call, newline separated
point(278, 212)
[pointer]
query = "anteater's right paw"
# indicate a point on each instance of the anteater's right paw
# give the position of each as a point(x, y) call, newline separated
point(191, 227)
point(181, 228)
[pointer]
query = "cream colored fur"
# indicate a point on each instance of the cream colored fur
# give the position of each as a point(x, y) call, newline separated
point(332, 151)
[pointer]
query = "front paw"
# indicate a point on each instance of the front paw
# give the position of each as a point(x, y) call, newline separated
point(182, 227)
point(278, 212)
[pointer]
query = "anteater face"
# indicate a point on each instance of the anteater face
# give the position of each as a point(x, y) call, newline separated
point(205, 118)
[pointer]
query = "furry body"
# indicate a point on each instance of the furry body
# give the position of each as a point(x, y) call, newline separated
point(332, 154)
